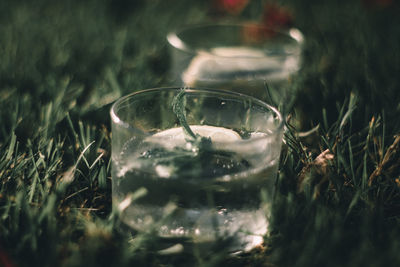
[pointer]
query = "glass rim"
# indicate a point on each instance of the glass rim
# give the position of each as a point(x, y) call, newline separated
point(175, 41)
point(218, 92)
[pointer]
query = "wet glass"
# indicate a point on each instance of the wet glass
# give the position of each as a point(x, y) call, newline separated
point(195, 165)
point(246, 58)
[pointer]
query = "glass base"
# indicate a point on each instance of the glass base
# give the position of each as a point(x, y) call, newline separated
point(232, 231)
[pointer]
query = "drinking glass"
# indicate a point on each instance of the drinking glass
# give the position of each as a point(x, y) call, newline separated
point(251, 59)
point(195, 165)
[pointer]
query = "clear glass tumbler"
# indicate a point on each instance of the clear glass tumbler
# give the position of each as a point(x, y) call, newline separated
point(195, 165)
point(241, 57)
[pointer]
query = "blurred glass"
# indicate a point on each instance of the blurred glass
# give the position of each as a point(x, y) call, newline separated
point(198, 165)
point(245, 58)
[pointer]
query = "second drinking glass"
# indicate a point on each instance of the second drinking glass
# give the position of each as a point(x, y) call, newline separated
point(245, 58)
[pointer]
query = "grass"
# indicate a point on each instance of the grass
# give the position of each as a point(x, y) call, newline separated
point(63, 63)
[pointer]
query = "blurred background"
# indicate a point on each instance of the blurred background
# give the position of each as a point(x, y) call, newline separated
point(95, 51)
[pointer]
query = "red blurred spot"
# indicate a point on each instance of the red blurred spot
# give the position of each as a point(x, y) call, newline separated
point(254, 33)
point(274, 18)
point(4, 259)
point(277, 16)
point(257, 33)
point(233, 7)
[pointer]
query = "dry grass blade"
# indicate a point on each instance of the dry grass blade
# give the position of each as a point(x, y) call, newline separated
point(390, 154)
